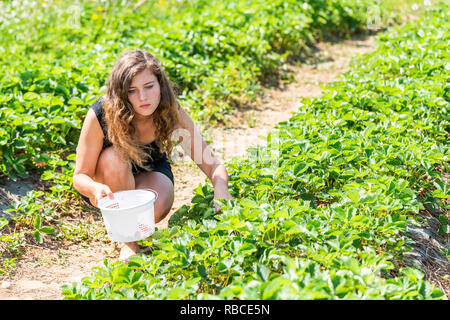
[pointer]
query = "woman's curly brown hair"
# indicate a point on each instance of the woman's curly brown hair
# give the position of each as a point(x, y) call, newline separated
point(119, 111)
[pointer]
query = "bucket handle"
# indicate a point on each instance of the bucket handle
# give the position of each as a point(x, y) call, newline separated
point(156, 192)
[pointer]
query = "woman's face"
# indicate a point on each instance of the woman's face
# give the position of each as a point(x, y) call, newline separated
point(144, 93)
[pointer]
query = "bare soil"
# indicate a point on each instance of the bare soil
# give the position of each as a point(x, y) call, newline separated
point(43, 269)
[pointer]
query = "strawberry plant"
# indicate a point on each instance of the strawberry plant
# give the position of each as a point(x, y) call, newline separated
point(321, 211)
point(59, 54)
point(216, 52)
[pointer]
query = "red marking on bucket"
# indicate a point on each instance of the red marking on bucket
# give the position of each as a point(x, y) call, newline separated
point(144, 228)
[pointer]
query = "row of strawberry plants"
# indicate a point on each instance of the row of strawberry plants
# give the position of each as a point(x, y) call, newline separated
point(58, 57)
point(322, 211)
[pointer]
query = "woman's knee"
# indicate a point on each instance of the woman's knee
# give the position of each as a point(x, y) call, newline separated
point(112, 170)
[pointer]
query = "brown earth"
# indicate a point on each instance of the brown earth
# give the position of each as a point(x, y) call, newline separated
point(42, 270)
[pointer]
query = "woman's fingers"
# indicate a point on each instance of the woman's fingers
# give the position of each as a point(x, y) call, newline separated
point(108, 192)
point(217, 205)
point(103, 191)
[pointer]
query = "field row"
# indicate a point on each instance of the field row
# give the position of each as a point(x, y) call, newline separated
point(216, 52)
point(321, 212)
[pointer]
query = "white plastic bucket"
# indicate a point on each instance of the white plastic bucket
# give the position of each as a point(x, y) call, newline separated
point(130, 215)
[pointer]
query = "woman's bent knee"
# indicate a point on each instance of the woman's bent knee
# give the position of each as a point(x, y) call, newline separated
point(113, 171)
point(109, 161)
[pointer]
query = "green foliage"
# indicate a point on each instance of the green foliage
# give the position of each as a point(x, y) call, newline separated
point(320, 212)
point(59, 55)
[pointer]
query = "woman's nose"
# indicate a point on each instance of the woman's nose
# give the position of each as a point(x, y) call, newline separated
point(142, 94)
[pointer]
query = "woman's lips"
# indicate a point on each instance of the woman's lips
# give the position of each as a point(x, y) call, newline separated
point(145, 106)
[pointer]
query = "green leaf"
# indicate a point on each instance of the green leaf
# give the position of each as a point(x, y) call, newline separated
point(443, 225)
point(439, 194)
point(75, 101)
point(369, 130)
point(19, 144)
point(202, 271)
point(198, 199)
point(248, 203)
point(439, 185)
point(177, 293)
point(56, 101)
point(47, 230)
point(3, 222)
point(30, 96)
point(263, 272)
point(273, 287)
point(353, 195)
point(173, 231)
point(225, 265)
point(37, 221)
point(348, 116)
point(38, 236)
point(300, 168)
point(358, 220)
point(71, 157)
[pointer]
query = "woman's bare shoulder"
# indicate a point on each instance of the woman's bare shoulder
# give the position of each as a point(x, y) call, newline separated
point(91, 126)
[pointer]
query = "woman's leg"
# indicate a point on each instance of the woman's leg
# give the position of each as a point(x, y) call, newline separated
point(117, 175)
point(163, 186)
point(113, 171)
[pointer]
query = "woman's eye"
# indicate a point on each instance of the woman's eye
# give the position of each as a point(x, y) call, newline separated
point(132, 91)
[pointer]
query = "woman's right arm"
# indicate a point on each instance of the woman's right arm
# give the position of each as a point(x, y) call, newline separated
point(88, 151)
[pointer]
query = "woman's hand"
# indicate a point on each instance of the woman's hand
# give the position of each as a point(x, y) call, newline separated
point(100, 191)
point(221, 193)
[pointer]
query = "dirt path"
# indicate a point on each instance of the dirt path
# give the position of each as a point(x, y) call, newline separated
point(41, 272)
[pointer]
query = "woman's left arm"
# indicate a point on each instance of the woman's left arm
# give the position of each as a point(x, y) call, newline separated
point(194, 145)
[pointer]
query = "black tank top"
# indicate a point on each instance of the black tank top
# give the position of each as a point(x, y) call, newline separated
point(152, 148)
